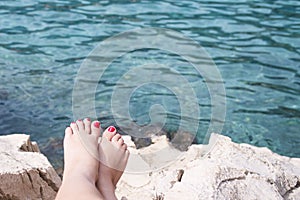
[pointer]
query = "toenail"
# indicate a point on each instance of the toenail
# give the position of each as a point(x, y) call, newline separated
point(88, 119)
point(111, 129)
point(72, 122)
point(97, 124)
point(79, 120)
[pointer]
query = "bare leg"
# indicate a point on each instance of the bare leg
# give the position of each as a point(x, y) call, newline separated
point(81, 168)
point(113, 159)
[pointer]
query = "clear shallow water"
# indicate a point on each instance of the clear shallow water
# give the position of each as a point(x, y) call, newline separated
point(255, 45)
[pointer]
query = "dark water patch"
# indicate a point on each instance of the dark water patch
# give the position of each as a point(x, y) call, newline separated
point(241, 88)
point(3, 94)
point(36, 72)
point(61, 118)
point(281, 110)
point(280, 88)
point(275, 77)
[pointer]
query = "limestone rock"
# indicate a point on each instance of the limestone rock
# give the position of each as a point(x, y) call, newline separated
point(220, 170)
point(25, 173)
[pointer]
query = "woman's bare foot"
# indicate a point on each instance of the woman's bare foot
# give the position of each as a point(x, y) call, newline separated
point(113, 159)
point(81, 166)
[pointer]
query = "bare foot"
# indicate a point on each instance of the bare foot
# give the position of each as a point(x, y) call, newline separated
point(113, 156)
point(81, 166)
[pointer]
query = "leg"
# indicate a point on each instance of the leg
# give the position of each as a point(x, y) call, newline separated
point(113, 159)
point(81, 168)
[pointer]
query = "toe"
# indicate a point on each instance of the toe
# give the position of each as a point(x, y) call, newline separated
point(74, 128)
point(87, 125)
point(80, 125)
point(127, 153)
point(68, 132)
point(124, 146)
point(109, 133)
point(95, 128)
point(121, 141)
point(116, 138)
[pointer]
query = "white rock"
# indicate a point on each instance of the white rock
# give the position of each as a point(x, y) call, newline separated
point(227, 171)
point(25, 173)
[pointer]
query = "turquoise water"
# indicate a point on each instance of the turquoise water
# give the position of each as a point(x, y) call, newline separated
point(255, 44)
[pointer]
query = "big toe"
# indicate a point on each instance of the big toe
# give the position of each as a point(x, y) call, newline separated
point(109, 133)
point(68, 132)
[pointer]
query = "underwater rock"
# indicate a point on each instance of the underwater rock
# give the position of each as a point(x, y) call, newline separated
point(3, 94)
point(181, 140)
point(141, 135)
point(25, 173)
point(53, 149)
point(220, 170)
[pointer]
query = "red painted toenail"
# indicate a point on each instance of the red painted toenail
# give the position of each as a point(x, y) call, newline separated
point(97, 124)
point(79, 120)
point(88, 119)
point(111, 129)
point(73, 123)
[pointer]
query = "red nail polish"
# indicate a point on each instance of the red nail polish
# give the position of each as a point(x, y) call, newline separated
point(79, 120)
point(72, 122)
point(88, 119)
point(97, 124)
point(111, 129)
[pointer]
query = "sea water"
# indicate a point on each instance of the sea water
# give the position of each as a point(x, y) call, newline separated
point(254, 44)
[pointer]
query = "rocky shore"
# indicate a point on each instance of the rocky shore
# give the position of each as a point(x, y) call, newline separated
point(25, 173)
point(227, 171)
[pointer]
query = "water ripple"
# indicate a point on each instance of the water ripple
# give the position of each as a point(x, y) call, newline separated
point(255, 44)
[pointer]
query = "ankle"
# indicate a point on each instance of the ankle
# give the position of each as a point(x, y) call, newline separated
point(73, 176)
point(106, 187)
point(108, 194)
